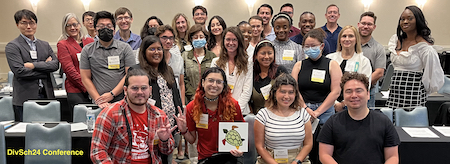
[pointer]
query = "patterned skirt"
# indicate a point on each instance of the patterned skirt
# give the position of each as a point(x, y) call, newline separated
point(406, 90)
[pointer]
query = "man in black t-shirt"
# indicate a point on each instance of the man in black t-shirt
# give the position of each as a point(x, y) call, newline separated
point(358, 135)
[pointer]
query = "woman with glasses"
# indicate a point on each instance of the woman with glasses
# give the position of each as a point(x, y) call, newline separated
point(181, 25)
point(165, 94)
point(256, 23)
point(216, 27)
point(213, 103)
point(70, 44)
point(197, 60)
point(238, 67)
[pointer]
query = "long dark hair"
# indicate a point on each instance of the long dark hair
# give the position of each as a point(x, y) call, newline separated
point(212, 39)
point(272, 67)
point(421, 26)
point(145, 31)
point(163, 68)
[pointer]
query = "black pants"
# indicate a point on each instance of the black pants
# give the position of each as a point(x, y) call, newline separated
point(222, 158)
point(18, 113)
point(76, 98)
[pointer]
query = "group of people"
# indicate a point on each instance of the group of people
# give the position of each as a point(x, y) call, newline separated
point(177, 80)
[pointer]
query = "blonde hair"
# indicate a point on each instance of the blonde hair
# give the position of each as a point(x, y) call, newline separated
point(66, 19)
point(174, 26)
point(358, 48)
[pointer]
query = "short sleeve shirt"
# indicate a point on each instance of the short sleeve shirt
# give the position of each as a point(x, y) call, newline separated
point(374, 51)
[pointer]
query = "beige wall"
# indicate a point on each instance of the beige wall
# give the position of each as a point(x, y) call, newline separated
point(50, 13)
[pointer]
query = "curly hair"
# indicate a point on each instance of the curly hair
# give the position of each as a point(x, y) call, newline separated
point(354, 76)
point(241, 58)
point(226, 107)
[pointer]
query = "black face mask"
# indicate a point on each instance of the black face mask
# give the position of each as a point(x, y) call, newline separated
point(105, 34)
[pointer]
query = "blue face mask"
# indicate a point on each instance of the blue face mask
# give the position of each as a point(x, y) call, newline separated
point(199, 43)
point(312, 52)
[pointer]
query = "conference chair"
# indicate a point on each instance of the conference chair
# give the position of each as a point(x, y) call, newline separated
point(446, 87)
point(64, 81)
point(10, 78)
point(443, 117)
point(79, 113)
point(415, 118)
point(47, 140)
point(251, 155)
point(387, 78)
point(389, 112)
point(33, 112)
point(6, 109)
point(2, 145)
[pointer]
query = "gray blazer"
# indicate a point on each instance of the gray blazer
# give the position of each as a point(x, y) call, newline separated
point(26, 81)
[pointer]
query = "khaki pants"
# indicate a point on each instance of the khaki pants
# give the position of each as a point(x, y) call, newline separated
point(292, 153)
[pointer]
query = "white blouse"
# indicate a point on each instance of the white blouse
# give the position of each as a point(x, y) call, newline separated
point(420, 57)
point(362, 63)
point(242, 84)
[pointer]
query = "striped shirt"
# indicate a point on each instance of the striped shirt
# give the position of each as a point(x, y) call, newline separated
point(283, 132)
point(282, 48)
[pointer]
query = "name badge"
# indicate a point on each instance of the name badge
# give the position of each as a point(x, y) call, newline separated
point(78, 56)
point(352, 66)
point(318, 76)
point(265, 91)
point(156, 139)
point(113, 62)
point(33, 55)
point(151, 101)
point(231, 80)
point(187, 47)
point(136, 55)
point(288, 55)
point(280, 155)
point(203, 123)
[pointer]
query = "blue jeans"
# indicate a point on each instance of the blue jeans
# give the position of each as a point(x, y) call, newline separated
point(325, 115)
point(373, 91)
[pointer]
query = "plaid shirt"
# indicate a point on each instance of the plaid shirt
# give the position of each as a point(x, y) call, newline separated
point(110, 140)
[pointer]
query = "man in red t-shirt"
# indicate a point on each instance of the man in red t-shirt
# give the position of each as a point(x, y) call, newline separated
point(132, 130)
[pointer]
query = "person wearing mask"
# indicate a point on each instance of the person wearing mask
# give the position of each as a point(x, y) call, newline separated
point(216, 27)
point(181, 25)
point(307, 23)
point(413, 56)
point(152, 22)
point(213, 103)
point(289, 52)
point(197, 60)
point(350, 58)
point(265, 70)
point(104, 63)
point(265, 11)
point(332, 28)
point(70, 44)
point(283, 125)
point(32, 61)
point(165, 94)
point(238, 67)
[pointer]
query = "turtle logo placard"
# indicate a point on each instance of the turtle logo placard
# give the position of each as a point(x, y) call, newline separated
point(233, 136)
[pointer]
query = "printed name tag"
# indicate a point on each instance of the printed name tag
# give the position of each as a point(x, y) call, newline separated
point(352, 66)
point(113, 62)
point(78, 56)
point(318, 76)
point(231, 80)
point(136, 55)
point(33, 55)
point(265, 91)
point(187, 47)
point(280, 155)
point(156, 139)
point(151, 101)
point(288, 55)
point(203, 123)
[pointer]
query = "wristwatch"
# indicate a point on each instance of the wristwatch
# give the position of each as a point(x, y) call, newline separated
point(298, 161)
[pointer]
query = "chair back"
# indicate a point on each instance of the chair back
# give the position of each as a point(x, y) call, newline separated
point(387, 78)
point(251, 155)
point(38, 137)
point(2, 145)
point(45, 113)
point(443, 116)
point(79, 113)
point(64, 81)
point(10, 78)
point(389, 112)
point(446, 87)
point(6, 109)
point(415, 118)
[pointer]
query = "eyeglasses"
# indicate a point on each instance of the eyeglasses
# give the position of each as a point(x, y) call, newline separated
point(165, 38)
point(211, 81)
point(89, 19)
point(153, 49)
point(72, 25)
point(136, 88)
point(100, 26)
point(231, 40)
point(125, 18)
point(197, 14)
point(198, 36)
point(367, 24)
point(25, 23)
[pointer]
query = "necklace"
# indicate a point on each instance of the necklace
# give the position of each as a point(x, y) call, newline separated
point(211, 100)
